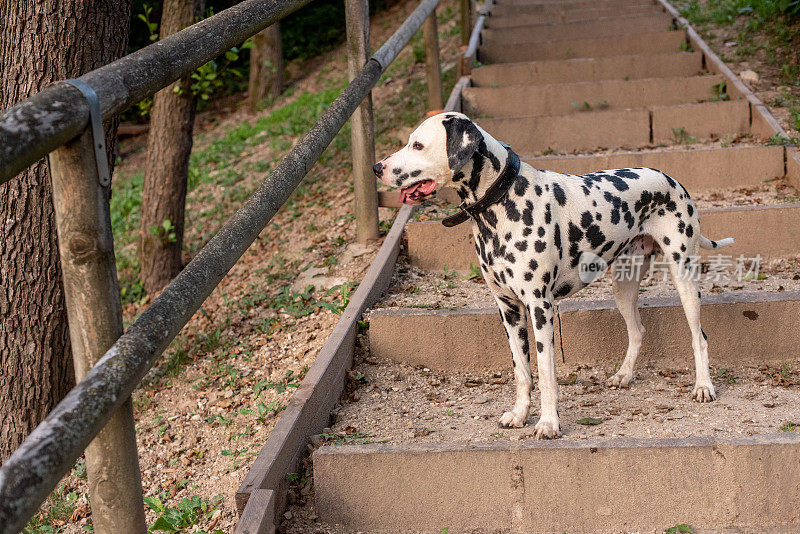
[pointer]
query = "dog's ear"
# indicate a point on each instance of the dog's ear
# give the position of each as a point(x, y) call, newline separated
point(463, 139)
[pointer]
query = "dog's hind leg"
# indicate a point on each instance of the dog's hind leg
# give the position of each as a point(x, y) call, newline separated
point(512, 313)
point(688, 287)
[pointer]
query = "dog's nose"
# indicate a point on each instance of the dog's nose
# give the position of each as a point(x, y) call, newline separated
point(378, 168)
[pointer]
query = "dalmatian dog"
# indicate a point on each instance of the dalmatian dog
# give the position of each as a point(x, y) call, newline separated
point(533, 229)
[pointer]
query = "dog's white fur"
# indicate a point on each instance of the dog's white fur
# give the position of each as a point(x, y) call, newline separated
point(530, 241)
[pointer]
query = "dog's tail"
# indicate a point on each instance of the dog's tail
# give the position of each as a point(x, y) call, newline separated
point(706, 243)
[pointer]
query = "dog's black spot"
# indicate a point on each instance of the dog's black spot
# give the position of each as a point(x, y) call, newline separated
point(559, 195)
point(666, 240)
point(539, 245)
point(511, 211)
point(557, 237)
point(416, 173)
point(397, 170)
point(527, 213)
point(574, 233)
point(595, 236)
point(586, 219)
point(563, 290)
point(538, 314)
point(522, 246)
point(520, 185)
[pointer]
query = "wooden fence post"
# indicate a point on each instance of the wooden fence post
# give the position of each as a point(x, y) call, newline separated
point(433, 71)
point(362, 134)
point(466, 21)
point(95, 319)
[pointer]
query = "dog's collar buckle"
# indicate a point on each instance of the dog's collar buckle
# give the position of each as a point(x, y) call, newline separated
point(493, 194)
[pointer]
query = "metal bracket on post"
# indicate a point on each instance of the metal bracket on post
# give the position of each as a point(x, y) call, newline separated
point(98, 133)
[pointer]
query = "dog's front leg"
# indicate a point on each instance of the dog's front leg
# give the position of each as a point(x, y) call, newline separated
point(512, 313)
point(542, 313)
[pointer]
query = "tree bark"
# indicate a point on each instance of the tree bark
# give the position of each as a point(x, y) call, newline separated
point(41, 41)
point(266, 66)
point(169, 146)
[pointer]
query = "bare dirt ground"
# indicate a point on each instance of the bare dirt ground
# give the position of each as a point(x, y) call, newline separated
point(397, 403)
point(209, 406)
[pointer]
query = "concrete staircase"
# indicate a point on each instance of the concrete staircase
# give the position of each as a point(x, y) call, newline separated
point(603, 84)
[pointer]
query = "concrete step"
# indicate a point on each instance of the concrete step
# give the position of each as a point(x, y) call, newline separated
point(532, 14)
point(699, 170)
point(595, 486)
point(570, 48)
point(512, 29)
point(592, 332)
point(673, 65)
point(766, 230)
point(624, 128)
point(521, 100)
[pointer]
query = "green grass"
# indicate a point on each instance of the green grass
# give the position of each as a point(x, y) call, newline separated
point(190, 512)
point(61, 505)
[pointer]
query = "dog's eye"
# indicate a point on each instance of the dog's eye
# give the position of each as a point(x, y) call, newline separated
point(417, 145)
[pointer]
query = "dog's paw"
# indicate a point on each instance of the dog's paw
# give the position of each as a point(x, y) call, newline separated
point(704, 393)
point(511, 420)
point(619, 380)
point(547, 428)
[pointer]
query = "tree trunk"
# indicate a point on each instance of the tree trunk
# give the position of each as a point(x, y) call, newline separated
point(169, 146)
point(266, 66)
point(41, 41)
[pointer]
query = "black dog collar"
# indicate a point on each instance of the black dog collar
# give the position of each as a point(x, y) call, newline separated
point(493, 194)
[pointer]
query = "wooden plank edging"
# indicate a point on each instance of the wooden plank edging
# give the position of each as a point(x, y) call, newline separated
point(309, 408)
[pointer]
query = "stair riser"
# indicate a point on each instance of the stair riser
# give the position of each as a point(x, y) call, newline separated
point(610, 129)
point(697, 170)
point(633, 44)
point(522, 33)
point(572, 6)
point(700, 121)
point(595, 486)
point(770, 231)
point(589, 69)
point(514, 101)
point(740, 333)
point(503, 15)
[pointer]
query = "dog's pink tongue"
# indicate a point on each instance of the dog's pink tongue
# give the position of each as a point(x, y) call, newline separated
point(419, 189)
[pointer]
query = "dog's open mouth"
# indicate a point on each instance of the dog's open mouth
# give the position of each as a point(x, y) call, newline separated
point(416, 193)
